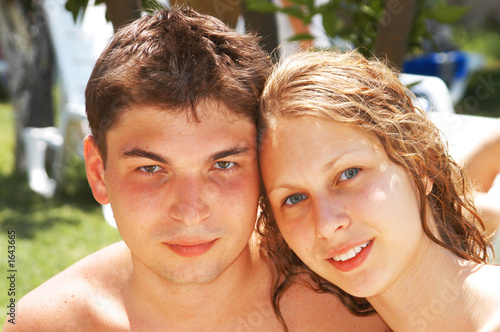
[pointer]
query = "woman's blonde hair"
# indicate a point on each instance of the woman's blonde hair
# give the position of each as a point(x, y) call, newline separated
point(348, 88)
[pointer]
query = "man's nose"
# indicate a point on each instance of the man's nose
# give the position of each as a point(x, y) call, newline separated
point(190, 204)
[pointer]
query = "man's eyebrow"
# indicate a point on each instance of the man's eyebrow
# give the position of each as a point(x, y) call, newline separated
point(228, 153)
point(136, 152)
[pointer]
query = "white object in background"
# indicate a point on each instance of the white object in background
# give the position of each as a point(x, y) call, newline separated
point(431, 92)
point(462, 133)
point(77, 45)
point(474, 62)
point(36, 142)
point(108, 215)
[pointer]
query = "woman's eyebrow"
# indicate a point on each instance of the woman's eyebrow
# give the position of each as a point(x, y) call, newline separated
point(280, 187)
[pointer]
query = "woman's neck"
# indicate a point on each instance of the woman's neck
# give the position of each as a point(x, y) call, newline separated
point(431, 297)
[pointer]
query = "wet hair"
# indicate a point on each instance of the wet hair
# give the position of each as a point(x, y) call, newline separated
point(366, 93)
point(174, 60)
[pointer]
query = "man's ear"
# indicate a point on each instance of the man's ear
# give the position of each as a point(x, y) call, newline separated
point(94, 166)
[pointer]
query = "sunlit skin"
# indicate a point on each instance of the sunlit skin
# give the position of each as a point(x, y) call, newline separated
point(184, 194)
point(332, 189)
point(181, 191)
point(352, 216)
point(185, 198)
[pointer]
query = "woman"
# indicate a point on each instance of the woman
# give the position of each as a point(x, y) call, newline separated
point(364, 192)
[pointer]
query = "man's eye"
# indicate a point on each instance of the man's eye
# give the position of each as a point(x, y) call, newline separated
point(224, 164)
point(349, 174)
point(294, 199)
point(150, 168)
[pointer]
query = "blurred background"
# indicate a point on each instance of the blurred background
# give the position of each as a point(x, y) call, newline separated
point(47, 51)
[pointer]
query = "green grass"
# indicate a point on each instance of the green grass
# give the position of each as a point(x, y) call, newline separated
point(51, 234)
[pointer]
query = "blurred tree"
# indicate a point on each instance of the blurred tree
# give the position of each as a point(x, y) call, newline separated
point(391, 28)
point(394, 31)
point(121, 12)
point(383, 27)
point(26, 43)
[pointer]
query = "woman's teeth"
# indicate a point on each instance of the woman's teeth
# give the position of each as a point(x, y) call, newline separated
point(351, 253)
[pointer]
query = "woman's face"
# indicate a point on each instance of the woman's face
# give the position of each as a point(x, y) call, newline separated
point(344, 208)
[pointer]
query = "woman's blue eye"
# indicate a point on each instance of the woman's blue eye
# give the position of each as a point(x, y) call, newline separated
point(294, 199)
point(224, 164)
point(150, 168)
point(349, 174)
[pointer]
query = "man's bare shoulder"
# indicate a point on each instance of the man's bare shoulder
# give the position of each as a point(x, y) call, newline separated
point(306, 310)
point(79, 297)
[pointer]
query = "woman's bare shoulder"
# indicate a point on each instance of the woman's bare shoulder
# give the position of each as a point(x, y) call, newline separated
point(485, 297)
point(486, 280)
point(493, 323)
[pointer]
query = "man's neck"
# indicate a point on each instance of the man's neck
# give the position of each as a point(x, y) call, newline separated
point(244, 284)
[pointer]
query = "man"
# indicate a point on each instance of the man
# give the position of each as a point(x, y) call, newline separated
point(172, 105)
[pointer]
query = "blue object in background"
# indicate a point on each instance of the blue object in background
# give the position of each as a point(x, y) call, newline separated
point(449, 66)
point(454, 68)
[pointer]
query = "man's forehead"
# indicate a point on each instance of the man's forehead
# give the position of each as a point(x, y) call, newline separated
point(210, 107)
point(153, 129)
point(195, 114)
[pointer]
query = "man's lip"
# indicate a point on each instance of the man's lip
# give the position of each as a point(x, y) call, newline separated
point(345, 248)
point(191, 248)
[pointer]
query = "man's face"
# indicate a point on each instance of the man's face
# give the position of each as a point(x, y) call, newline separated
point(184, 193)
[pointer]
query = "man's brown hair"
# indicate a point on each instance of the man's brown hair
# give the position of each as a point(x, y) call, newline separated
point(174, 60)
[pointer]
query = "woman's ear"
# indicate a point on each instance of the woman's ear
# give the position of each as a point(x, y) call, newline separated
point(94, 166)
point(429, 184)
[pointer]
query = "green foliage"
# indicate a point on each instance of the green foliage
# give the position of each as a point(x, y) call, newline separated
point(358, 21)
point(482, 96)
point(4, 93)
point(7, 130)
point(77, 7)
point(480, 39)
point(445, 13)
